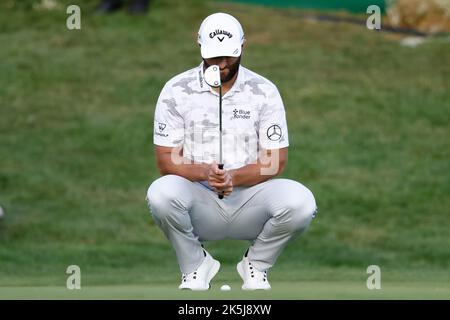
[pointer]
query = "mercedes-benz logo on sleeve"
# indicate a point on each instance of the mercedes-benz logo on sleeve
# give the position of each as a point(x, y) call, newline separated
point(274, 132)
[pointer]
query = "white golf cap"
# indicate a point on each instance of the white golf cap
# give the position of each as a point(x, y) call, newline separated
point(220, 35)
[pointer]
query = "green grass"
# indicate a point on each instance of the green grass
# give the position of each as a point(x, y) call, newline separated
point(307, 290)
point(368, 122)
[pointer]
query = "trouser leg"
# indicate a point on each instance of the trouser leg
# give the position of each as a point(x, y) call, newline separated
point(277, 212)
point(187, 213)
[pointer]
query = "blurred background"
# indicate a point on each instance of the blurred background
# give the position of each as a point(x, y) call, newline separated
point(368, 114)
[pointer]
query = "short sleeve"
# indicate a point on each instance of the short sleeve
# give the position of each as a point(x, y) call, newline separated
point(273, 131)
point(168, 129)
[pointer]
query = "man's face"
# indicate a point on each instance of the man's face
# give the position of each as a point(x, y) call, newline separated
point(228, 66)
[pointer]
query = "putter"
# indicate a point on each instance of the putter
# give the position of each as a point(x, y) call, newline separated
point(212, 78)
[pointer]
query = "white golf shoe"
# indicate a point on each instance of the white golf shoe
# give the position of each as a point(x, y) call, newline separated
point(253, 278)
point(200, 278)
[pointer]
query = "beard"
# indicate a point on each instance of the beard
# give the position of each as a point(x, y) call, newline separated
point(234, 68)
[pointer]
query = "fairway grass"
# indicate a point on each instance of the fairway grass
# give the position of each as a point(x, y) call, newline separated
point(304, 290)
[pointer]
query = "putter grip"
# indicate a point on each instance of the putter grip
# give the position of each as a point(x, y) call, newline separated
point(221, 168)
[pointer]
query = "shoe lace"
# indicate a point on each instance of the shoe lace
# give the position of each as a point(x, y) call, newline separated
point(255, 272)
point(185, 277)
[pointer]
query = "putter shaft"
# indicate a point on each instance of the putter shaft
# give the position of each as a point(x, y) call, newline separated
point(220, 133)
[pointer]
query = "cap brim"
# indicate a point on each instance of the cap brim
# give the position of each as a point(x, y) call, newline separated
point(216, 51)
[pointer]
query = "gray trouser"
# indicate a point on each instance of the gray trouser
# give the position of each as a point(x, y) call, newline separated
point(269, 214)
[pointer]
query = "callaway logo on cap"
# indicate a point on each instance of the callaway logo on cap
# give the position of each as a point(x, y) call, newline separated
point(220, 35)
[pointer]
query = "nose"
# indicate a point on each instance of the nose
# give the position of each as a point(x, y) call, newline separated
point(222, 63)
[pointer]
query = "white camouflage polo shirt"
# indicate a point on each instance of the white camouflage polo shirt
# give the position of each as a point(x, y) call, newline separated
point(253, 117)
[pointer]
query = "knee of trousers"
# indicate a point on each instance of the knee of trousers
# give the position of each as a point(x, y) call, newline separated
point(298, 206)
point(166, 194)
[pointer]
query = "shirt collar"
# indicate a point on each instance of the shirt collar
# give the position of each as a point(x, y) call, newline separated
point(237, 86)
point(201, 82)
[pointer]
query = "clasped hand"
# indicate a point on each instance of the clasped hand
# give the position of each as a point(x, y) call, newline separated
point(220, 180)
